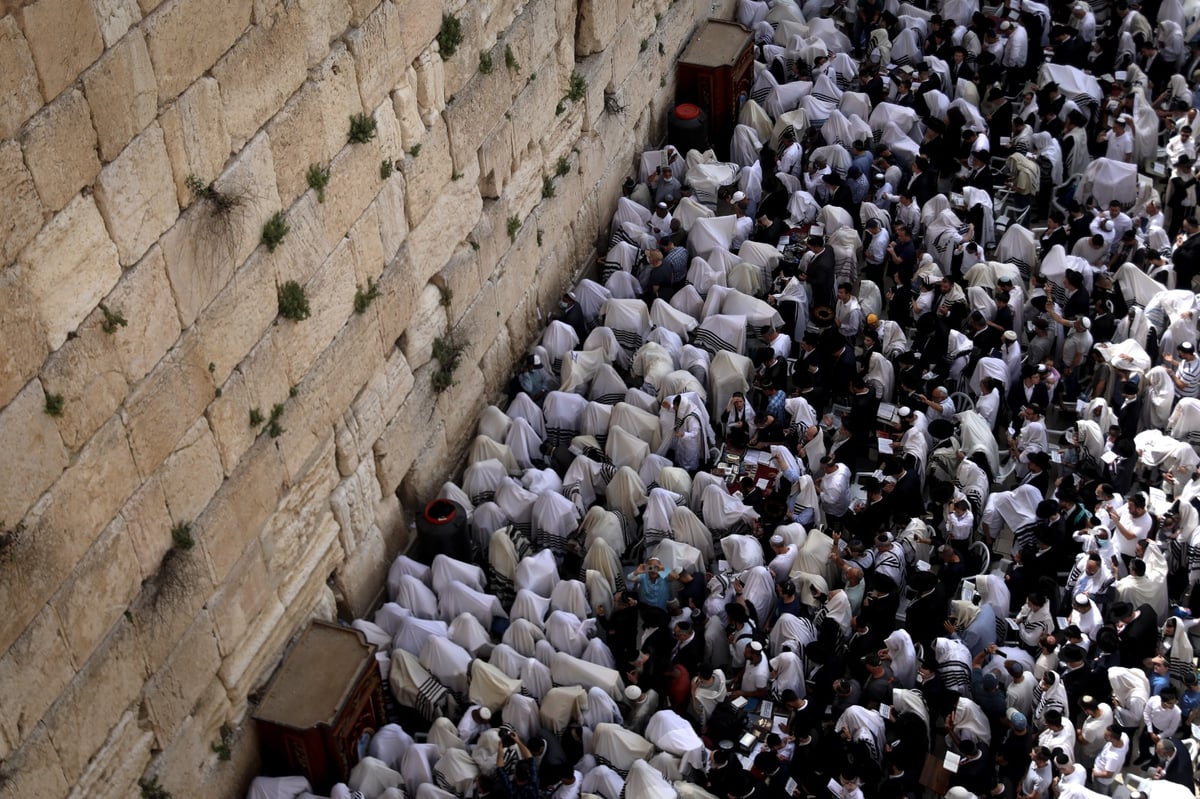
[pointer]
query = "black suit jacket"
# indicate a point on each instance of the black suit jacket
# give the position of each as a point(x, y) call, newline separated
point(1179, 770)
point(690, 655)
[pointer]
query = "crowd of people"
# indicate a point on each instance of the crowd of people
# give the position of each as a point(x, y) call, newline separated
point(883, 421)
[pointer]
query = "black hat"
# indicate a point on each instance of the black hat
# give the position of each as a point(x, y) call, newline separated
point(922, 581)
point(1129, 387)
point(1047, 508)
point(1118, 611)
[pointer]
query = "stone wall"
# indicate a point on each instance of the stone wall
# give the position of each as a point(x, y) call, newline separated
point(151, 316)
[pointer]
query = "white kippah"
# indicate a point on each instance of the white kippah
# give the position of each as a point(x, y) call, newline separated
point(485, 714)
point(756, 646)
point(776, 540)
point(633, 693)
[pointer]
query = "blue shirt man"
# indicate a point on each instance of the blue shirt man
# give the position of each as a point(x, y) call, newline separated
point(653, 586)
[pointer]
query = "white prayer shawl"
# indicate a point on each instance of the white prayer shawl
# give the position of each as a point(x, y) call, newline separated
point(493, 423)
point(709, 235)
point(1131, 687)
point(531, 607)
point(456, 771)
point(538, 573)
point(742, 552)
point(813, 557)
point(468, 633)
point(600, 589)
point(881, 376)
point(597, 652)
point(689, 210)
point(905, 700)
point(600, 525)
point(484, 448)
point(278, 788)
point(570, 596)
point(792, 631)
point(621, 748)
point(596, 421)
point(602, 781)
point(374, 633)
point(652, 362)
point(688, 301)
point(1178, 649)
point(641, 424)
point(413, 596)
point(971, 722)
point(677, 556)
point(759, 589)
point(645, 780)
point(1145, 590)
point(722, 333)
point(668, 340)
point(559, 338)
point(601, 709)
point(523, 636)
point(788, 674)
point(457, 598)
point(568, 670)
point(903, 658)
point(555, 519)
point(974, 483)
point(447, 661)
point(388, 744)
point(417, 766)
point(535, 678)
point(953, 664)
point(671, 733)
point(517, 503)
point(443, 733)
point(1053, 698)
point(490, 687)
point(1015, 509)
point(522, 713)
point(687, 529)
point(626, 492)
point(865, 726)
point(1158, 396)
point(623, 285)
point(976, 436)
point(579, 367)
point(446, 570)
point(404, 565)
point(1166, 454)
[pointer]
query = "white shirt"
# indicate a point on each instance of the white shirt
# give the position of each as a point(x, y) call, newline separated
point(1139, 527)
point(1120, 148)
point(1111, 758)
point(1064, 739)
point(756, 676)
point(660, 226)
point(988, 406)
point(849, 317)
point(569, 791)
point(789, 160)
point(835, 490)
point(877, 249)
point(782, 346)
point(1162, 720)
point(743, 226)
point(1016, 48)
point(1177, 147)
point(958, 528)
point(1093, 730)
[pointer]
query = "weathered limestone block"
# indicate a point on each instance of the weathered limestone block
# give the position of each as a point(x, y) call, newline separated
point(360, 9)
point(189, 755)
point(533, 36)
point(324, 22)
point(460, 68)
point(393, 223)
point(285, 535)
point(428, 245)
point(597, 73)
point(204, 247)
point(533, 110)
point(143, 297)
point(353, 183)
point(260, 72)
point(239, 316)
point(420, 22)
point(312, 565)
point(426, 175)
point(353, 503)
point(474, 112)
point(122, 94)
point(64, 38)
point(192, 474)
point(496, 365)
point(429, 323)
point(379, 54)
point(97, 592)
point(397, 447)
point(60, 149)
point(462, 276)
point(23, 334)
point(18, 79)
point(259, 382)
point(428, 470)
point(430, 85)
point(26, 428)
point(404, 103)
point(377, 404)
point(242, 506)
point(306, 246)
point(69, 267)
point(116, 768)
point(311, 128)
point(240, 599)
point(496, 160)
point(36, 768)
point(115, 17)
point(41, 650)
point(146, 523)
point(196, 136)
point(136, 195)
point(166, 403)
point(364, 247)
point(86, 373)
point(173, 691)
point(188, 37)
point(358, 579)
point(92, 705)
point(495, 18)
point(597, 26)
point(20, 208)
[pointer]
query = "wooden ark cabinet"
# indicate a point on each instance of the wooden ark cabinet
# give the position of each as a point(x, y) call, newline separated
point(715, 70)
point(322, 706)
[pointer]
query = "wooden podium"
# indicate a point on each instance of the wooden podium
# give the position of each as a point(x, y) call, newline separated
point(322, 706)
point(714, 71)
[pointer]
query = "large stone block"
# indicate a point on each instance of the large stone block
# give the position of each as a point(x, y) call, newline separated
point(115, 17)
point(430, 323)
point(36, 768)
point(429, 246)
point(69, 266)
point(430, 74)
point(358, 580)
point(533, 111)
point(136, 195)
point(41, 650)
point(64, 38)
point(242, 506)
point(312, 564)
point(260, 72)
point(192, 474)
point(96, 594)
point(353, 502)
point(240, 599)
point(364, 247)
point(187, 760)
point(460, 68)
point(379, 54)
point(311, 128)
point(306, 246)
point(143, 298)
point(86, 373)
point(259, 382)
point(427, 174)
point(196, 136)
point(170, 600)
point(188, 36)
point(206, 245)
point(360, 10)
point(173, 691)
point(23, 334)
point(166, 403)
point(93, 704)
point(393, 222)
point(408, 113)
point(20, 208)
point(25, 427)
point(353, 183)
point(420, 22)
point(475, 111)
point(397, 447)
point(324, 22)
point(144, 520)
point(285, 535)
point(240, 315)
point(375, 406)
point(533, 36)
point(18, 79)
point(597, 25)
point(115, 770)
point(60, 149)
point(429, 469)
point(122, 94)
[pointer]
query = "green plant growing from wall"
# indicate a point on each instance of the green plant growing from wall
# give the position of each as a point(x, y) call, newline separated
point(386, 168)
point(223, 746)
point(181, 536)
point(152, 790)
point(275, 230)
point(547, 187)
point(293, 391)
point(510, 59)
point(514, 225)
point(112, 320)
point(562, 166)
point(54, 405)
point(220, 202)
point(274, 429)
point(661, 49)
point(293, 302)
point(446, 296)
point(415, 151)
point(643, 45)
point(448, 353)
point(485, 62)
point(576, 88)
point(362, 128)
point(539, 237)
point(450, 36)
point(559, 109)
point(364, 297)
point(318, 179)
point(256, 417)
